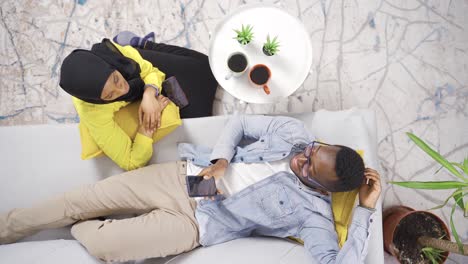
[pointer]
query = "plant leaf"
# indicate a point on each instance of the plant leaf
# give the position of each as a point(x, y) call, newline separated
point(434, 154)
point(454, 230)
point(465, 166)
point(458, 191)
point(429, 256)
point(465, 214)
point(433, 254)
point(458, 197)
point(432, 185)
point(461, 167)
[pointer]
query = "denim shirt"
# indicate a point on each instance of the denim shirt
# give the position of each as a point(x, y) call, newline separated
point(251, 138)
point(279, 205)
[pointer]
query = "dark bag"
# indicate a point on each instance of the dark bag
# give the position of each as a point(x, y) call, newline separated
point(174, 92)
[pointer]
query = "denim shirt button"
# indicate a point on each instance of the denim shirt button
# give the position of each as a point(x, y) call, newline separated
point(371, 220)
point(261, 158)
point(281, 202)
point(241, 158)
point(193, 159)
point(262, 140)
point(284, 154)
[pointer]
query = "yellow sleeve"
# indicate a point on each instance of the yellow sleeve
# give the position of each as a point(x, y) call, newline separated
point(149, 74)
point(109, 136)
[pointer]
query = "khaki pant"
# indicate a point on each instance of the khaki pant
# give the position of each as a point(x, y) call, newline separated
point(166, 224)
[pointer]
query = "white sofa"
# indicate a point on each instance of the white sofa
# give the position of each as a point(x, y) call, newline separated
point(39, 161)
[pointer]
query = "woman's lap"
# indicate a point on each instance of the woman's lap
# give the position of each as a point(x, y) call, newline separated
point(194, 76)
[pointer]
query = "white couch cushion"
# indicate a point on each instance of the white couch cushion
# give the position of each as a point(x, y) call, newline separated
point(38, 162)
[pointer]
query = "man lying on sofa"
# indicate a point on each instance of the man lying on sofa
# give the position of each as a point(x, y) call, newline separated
point(286, 180)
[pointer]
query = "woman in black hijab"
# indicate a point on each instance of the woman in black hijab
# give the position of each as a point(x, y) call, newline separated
point(109, 77)
point(85, 73)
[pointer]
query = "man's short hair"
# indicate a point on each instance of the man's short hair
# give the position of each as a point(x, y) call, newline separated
point(349, 168)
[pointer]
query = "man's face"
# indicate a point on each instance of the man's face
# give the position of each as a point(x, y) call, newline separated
point(321, 165)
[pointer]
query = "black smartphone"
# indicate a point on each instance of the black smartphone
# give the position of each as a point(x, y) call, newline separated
point(197, 186)
point(174, 92)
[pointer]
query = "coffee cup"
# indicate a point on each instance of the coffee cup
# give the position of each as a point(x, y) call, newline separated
point(259, 75)
point(237, 64)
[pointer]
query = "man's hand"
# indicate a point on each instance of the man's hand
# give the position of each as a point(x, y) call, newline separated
point(216, 170)
point(369, 193)
point(149, 113)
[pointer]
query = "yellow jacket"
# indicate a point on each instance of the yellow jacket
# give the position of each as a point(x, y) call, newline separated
point(108, 135)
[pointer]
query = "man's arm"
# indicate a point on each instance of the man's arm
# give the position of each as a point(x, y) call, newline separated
point(321, 240)
point(253, 127)
point(325, 249)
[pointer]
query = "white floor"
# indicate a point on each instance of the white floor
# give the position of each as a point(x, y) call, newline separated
point(406, 59)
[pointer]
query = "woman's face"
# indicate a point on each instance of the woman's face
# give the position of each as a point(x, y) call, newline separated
point(115, 87)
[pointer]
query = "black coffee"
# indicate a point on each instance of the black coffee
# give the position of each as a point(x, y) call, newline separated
point(237, 63)
point(260, 75)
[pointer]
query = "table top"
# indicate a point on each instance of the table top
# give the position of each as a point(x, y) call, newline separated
point(289, 67)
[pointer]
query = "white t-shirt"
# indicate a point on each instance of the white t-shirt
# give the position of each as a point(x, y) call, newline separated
point(241, 175)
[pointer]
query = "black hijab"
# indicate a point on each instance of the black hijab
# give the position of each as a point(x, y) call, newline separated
point(84, 73)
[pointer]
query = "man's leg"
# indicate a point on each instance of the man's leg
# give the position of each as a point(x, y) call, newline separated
point(158, 233)
point(138, 191)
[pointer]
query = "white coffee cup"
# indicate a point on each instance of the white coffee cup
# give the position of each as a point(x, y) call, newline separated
point(237, 64)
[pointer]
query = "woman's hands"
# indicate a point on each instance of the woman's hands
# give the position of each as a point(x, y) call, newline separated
point(149, 113)
point(370, 189)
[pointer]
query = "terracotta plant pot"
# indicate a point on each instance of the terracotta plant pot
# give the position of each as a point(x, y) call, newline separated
point(392, 222)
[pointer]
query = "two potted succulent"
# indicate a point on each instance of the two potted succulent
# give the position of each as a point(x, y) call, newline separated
point(419, 236)
point(245, 35)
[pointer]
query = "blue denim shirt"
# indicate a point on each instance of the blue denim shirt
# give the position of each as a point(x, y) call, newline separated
point(251, 138)
point(279, 205)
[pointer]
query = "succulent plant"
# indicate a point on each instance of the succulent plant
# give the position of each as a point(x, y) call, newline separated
point(270, 47)
point(245, 35)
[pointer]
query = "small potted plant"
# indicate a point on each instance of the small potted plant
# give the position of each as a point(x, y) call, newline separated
point(426, 236)
point(245, 35)
point(271, 46)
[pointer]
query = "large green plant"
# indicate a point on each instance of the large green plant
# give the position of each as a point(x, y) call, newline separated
point(460, 185)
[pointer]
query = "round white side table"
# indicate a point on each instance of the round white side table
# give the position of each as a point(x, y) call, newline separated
point(289, 67)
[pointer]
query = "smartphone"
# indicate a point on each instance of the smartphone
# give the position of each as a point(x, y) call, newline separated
point(174, 92)
point(197, 186)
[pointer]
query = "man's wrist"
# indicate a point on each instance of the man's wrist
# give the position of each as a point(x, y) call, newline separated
point(367, 206)
point(222, 162)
